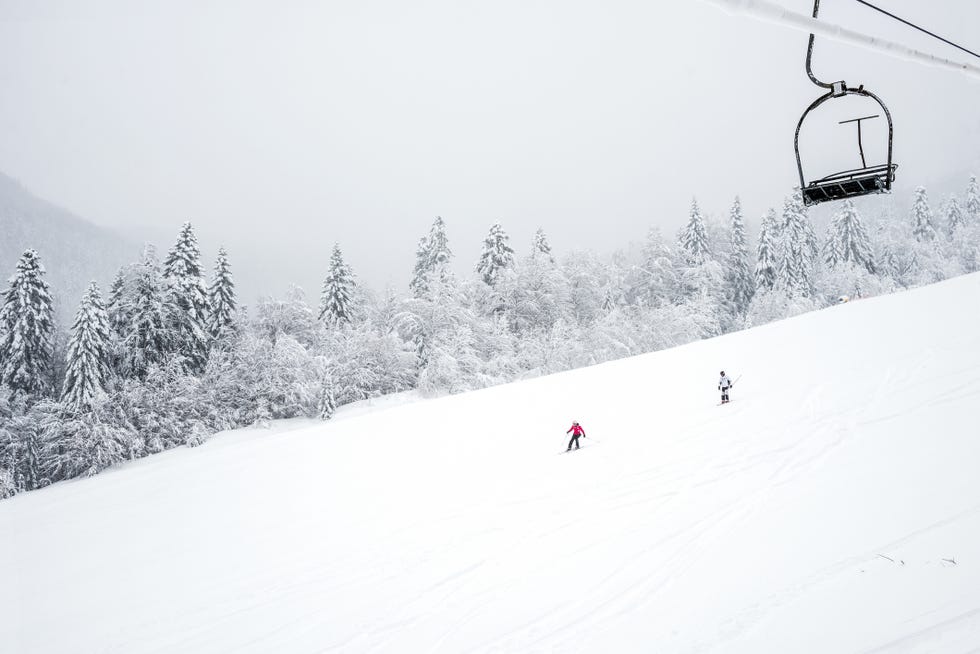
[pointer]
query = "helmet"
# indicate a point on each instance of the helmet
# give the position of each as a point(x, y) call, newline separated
point(722, 373)
point(574, 422)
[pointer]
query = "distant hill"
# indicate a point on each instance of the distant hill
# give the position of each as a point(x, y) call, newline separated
point(73, 250)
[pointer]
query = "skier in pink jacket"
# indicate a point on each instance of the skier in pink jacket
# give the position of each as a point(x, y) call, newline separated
point(576, 431)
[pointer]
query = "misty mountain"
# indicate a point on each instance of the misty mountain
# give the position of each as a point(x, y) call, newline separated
point(73, 250)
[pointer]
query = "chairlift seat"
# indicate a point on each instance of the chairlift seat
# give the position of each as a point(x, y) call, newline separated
point(850, 184)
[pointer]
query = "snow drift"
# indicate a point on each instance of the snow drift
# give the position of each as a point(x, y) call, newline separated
point(833, 506)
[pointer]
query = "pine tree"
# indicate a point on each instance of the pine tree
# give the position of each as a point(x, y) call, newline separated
point(848, 240)
point(954, 215)
point(116, 308)
point(833, 252)
point(26, 329)
point(118, 311)
point(921, 214)
point(87, 369)
point(540, 247)
point(694, 238)
point(973, 199)
point(496, 255)
point(738, 276)
point(187, 300)
point(337, 297)
point(810, 240)
point(326, 403)
point(21, 451)
point(431, 259)
point(794, 272)
point(888, 262)
point(767, 259)
point(221, 298)
point(147, 341)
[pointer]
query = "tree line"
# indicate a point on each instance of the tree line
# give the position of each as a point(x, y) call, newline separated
point(168, 358)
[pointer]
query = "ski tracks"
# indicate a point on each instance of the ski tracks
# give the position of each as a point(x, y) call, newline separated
point(751, 616)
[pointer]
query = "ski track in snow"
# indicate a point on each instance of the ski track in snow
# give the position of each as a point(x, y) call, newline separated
point(450, 525)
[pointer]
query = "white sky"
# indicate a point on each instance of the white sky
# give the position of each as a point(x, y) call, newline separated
point(281, 127)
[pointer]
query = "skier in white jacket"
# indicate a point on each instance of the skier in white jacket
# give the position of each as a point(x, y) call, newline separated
point(723, 385)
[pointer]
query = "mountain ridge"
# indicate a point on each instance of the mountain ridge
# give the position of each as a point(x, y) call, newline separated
point(73, 250)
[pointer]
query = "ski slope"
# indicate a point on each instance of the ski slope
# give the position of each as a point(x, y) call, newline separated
point(833, 506)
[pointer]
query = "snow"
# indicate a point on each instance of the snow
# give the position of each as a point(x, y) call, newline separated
point(833, 506)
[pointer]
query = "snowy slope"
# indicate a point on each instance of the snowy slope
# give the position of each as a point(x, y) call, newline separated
point(453, 525)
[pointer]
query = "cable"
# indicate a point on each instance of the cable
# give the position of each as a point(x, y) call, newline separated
point(921, 29)
point(776, 13)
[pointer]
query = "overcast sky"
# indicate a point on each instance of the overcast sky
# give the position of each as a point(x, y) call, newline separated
point(278, 128)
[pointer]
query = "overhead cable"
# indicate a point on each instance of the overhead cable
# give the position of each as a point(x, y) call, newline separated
point(776, 13)
point(921, 29)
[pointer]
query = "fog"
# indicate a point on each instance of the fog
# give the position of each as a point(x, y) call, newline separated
point(279, 128)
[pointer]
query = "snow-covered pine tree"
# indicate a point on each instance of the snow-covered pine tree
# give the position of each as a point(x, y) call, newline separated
point(888, 262)
point(848, 240)
point(337, 296)
point(431, 259)
point(119, 312)
point(87, 369)
point(833, 253)
point(221, 296)
point(540, 247)
point(26, 329)
point(694, 238)
point(148, 340)
point(767, 258)
point(327, 403)
point(810, 240)
point(954, 215)
point(22, 438)
point(810, 235)
point(921, 214)
point(738, 275)
point(419, 284)
point(496, 255)
point(187, 300)
point(973, 199)
point(794, 272)
point(117, 308)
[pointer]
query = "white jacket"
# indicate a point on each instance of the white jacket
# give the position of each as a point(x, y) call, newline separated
point(725, 382)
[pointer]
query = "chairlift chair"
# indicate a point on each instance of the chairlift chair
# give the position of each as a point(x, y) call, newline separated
point(848, 183)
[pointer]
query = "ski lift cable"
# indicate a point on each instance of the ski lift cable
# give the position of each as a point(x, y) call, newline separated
point(921, 29)
point(775, 13)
